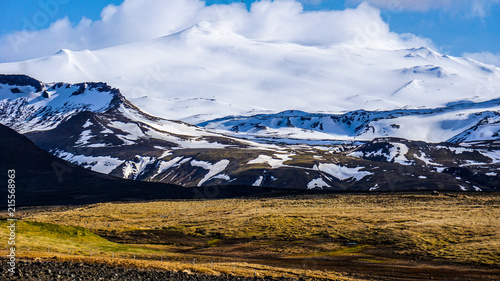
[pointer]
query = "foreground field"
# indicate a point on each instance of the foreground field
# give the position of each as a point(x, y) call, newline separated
point(347, 237)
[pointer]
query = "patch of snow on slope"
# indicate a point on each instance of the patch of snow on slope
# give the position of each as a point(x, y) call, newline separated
point(165, 165)
point(101, 164)
point(361, 154)
point(182, 162)
point(273, 162)
point(458, 150)
point(398, 152)
point(471, 163)
point(132, 130)
point(165, 153)
point(258, 182)
point(87, 124)
point(213, 169)
point(343, 173)
point(426, 159)
point(84, 138)
point(440, 169)
point(195, 143)
point(97, 145)
point(319, 182)
point(491, 174)
point(493, 155)
point(222, 177)
point(134, 168)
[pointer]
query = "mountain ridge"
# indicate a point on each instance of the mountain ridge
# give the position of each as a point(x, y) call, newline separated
point(363, 125)
point(45, 180)
point(181, 76)
point(115, 137)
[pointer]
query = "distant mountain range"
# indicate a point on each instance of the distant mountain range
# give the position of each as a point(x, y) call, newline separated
point(208, 107)
point(94, 126)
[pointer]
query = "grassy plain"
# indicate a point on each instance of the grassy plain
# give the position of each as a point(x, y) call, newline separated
point(329, 236)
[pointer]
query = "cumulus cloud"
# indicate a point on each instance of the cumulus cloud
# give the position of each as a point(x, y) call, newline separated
point(279, 20)
point(484, 57)
point(474, 8)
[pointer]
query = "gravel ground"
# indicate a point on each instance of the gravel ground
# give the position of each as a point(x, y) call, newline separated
point(53, 270)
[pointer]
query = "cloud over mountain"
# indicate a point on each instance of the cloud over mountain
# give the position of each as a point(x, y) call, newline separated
point(280, 20)
point(486, 57)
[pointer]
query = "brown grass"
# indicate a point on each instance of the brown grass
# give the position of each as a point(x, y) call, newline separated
point(366, 228)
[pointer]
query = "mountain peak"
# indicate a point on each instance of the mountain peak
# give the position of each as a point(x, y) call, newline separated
point(422, 52)
point(204, 25)
point(36, 105)
point(63, 52)
point(203, 29)
point(213, 27)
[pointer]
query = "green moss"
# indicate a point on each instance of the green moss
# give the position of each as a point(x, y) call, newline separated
point(63, 238)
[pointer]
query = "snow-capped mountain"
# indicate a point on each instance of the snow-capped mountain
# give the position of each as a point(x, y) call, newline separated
point(27, 104)
point(208, 72)
point(94, 126)
point(207, 106)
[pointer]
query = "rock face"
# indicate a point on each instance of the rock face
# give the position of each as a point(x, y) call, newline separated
point(20, 80)
point(94, 126)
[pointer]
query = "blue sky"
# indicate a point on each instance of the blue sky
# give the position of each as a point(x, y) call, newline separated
point(46, 12)
point(455, 27)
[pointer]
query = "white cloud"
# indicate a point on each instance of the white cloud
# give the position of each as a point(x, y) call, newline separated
point(484, 57)
point(279, 20)
point(474, 8)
